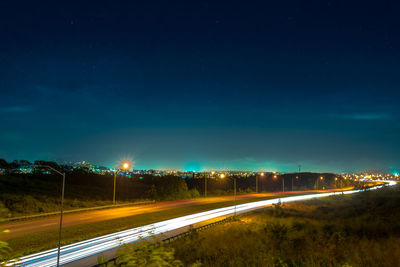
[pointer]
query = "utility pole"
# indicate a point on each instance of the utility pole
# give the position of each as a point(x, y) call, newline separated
point(283, 184)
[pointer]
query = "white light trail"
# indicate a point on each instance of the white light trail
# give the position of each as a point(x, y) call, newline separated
point(94, 246)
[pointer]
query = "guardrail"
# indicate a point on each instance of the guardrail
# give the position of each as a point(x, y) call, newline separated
point(27, 217)
point(175, 237)
point(198, 229)
point(88, 250)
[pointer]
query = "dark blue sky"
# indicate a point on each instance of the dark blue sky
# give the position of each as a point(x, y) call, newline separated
point(199, 84)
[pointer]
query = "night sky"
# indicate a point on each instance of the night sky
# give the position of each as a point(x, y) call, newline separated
point(257, 85)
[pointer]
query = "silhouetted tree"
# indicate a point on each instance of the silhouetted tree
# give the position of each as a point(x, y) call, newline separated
point(14, 165)
point(4, 164)
point(171, 187)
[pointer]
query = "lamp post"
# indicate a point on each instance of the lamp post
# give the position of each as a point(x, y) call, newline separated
point(292, 183)
point(283, 182)
point(298, 175)
point(61, 209)
point(115, 181)
point(261, 174)
point(320, 178)
point(125, 166)
point(222, 176)
point(205, 183)
point(275, 176)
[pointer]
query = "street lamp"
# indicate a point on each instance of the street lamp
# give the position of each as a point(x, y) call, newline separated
point(297, 178)
point(61, 209)
point(292, 184)
point(320, 178)
point(222, 176)
point(205, 183)
point(125, 166)
point(283, 182)
point(261, 174)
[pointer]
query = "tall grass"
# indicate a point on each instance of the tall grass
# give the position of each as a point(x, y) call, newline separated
point(359, 230)
point(26, 194)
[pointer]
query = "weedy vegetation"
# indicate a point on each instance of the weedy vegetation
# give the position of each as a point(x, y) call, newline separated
point(357, 230)
point(32, 243)
point(5, 250)
point(148, 253)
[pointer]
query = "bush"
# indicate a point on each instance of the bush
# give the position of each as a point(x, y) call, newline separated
point(349, 235)
point(277, 234)
point(152, 254)
point(277, 209)
point(194, 193)
point(171, 188)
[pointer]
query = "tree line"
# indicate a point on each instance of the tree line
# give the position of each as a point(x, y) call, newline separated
point(36, 192)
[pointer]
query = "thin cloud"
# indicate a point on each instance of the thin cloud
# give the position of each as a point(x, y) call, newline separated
point(365, 116)
point(16, 109)
point(372, 116)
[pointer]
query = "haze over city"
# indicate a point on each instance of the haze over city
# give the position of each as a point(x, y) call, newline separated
point(199, 133)
point(201, 86)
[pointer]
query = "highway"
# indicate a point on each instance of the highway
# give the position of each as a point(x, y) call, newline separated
point(21, 228)
point(74, 254)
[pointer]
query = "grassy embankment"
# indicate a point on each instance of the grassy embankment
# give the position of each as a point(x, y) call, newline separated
point(354, 230)
point(25, 195)
point(31, 194)
point(39, 241)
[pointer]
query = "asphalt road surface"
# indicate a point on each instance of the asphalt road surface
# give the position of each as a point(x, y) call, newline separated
point(43, 224)
point(85, 253)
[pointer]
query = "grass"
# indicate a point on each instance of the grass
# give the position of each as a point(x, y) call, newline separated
point(32, 243)
point(353, 230)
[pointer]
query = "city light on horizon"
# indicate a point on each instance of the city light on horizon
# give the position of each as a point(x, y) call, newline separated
point(140, 119)
point(169, 108)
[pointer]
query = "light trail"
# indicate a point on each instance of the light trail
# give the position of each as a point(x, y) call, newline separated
point(94, 246)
